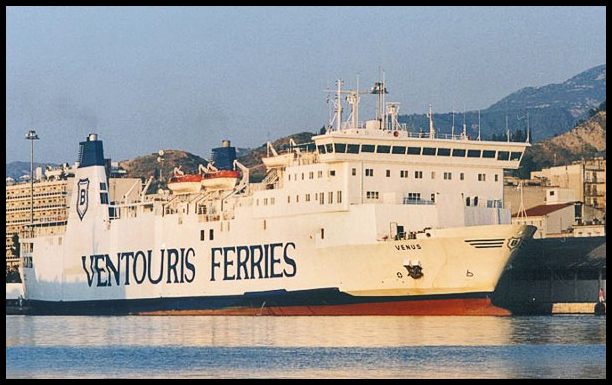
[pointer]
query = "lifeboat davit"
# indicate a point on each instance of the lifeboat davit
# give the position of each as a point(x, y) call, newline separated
point(185, 184)
point(220, 180)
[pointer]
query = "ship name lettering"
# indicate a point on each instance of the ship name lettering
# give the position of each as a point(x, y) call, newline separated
point(140, 267)
point(253, 262)
point(408, 247)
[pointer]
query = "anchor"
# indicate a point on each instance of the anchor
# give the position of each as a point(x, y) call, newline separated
point(415, 270)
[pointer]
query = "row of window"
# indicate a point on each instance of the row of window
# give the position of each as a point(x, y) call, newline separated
point(369, 172)
point(311, 174)
point(315, 197)
point(469, 201)
point(347, 148)
point(447, 175)
point(103, 194)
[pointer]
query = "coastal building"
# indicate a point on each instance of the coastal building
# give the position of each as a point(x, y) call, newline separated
point(51, 197)
point(554, 220)
point(595, 184)
point(563, 268)
point(587, 178)
point(50, 203)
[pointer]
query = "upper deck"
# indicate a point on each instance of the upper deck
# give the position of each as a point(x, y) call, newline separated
point(392, 146)
point(386, 140)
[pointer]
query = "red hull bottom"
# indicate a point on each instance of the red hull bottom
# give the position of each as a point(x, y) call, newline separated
point(464, 307)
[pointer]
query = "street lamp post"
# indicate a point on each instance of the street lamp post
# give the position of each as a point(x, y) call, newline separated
point(32, 136)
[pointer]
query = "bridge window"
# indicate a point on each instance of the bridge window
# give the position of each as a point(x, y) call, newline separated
point(367, 148)
point(398, 150)
point(488, 154)
point(340, 147)
point(414, 150)
point(352, 149)
point(515, 155)
point(321, 148)
point(383, 149)
point(329, 147)
point(459, 152)
point(473, 153)
point(444, 152)
point(429, 151)
point(503, 155)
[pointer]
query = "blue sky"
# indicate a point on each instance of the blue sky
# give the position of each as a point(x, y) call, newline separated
point(150, 78)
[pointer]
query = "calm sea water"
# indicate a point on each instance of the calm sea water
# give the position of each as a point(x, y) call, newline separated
point(306, 347)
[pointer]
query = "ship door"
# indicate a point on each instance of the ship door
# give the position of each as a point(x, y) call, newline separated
point(396, 231)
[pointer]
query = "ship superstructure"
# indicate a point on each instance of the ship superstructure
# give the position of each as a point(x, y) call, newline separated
point(368, 219)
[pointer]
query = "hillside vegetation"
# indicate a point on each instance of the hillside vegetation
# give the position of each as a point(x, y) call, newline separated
point(586, 140)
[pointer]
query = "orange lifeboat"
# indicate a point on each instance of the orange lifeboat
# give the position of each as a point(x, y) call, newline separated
point(181, 183)
point(220, 180)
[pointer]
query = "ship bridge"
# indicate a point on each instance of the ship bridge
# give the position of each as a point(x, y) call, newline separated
point(391, 146)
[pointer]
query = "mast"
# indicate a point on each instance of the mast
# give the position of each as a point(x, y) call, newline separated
point(432, 132)
point(478, 124)
point(393, 110)
point(380, 90)
point(528, 131)
point(356, 107)
point(338, 105)
point(507, 130)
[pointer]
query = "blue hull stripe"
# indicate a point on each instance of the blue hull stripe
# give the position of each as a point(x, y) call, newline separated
point(276, 298)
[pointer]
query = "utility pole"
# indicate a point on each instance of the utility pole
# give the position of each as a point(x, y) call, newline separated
point(32, 136)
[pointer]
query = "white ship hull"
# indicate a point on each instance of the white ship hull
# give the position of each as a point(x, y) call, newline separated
point(374, 222)
point(152, 264)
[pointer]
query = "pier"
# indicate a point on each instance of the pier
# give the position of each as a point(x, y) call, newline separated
point(554, 276)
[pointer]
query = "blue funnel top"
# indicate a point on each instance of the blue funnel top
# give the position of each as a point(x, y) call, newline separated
point(91, 152)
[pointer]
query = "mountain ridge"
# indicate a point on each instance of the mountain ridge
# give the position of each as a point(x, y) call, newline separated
point(546, 111)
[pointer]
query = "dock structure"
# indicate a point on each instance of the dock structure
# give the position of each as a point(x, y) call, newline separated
point(555, 276)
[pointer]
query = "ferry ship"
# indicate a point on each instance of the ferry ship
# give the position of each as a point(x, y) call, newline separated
point(368, 219)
